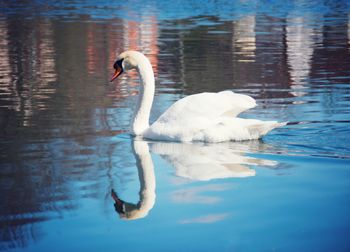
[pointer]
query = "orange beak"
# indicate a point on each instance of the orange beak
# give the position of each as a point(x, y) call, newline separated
point(117, 72)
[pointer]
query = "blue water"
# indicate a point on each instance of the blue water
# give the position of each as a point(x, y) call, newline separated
point(64, 142)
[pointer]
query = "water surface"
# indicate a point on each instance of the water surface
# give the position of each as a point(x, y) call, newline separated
point(64, 142)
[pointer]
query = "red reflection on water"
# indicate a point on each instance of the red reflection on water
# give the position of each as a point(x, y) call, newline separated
point(140, 36)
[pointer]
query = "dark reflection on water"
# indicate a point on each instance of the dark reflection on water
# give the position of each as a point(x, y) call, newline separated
point(59, 113)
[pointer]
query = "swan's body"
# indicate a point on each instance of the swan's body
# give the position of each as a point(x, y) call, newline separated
point(207, 117)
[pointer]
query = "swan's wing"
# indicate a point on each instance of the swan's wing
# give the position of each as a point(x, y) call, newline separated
point(208, 117)
point(207, 105)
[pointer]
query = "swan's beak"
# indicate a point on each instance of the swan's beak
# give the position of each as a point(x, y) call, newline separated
point(117, 72)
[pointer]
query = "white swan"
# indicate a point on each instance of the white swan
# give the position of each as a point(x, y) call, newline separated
point(207, 117)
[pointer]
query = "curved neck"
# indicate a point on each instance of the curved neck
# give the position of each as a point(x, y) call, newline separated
point(147, 181)
point(140, 121)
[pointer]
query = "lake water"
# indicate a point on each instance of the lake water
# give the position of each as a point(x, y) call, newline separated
point(64, 142)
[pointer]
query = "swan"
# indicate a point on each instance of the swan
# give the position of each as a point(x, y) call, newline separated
point(205, 117)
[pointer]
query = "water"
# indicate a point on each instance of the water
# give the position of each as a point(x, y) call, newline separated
point(64, 142)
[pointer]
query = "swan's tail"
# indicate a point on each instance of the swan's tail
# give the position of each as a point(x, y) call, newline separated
point(260, 129)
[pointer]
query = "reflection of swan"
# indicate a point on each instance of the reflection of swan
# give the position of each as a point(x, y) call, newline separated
point(208, 117)
point(194, 161)
point(199, 161)
point(147, 182)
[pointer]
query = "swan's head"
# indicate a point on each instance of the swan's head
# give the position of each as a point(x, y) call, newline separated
point(126, 61)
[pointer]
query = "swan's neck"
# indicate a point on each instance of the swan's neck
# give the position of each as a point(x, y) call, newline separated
point(140, 121)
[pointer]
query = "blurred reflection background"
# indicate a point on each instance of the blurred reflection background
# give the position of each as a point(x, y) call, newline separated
point(59, 113)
